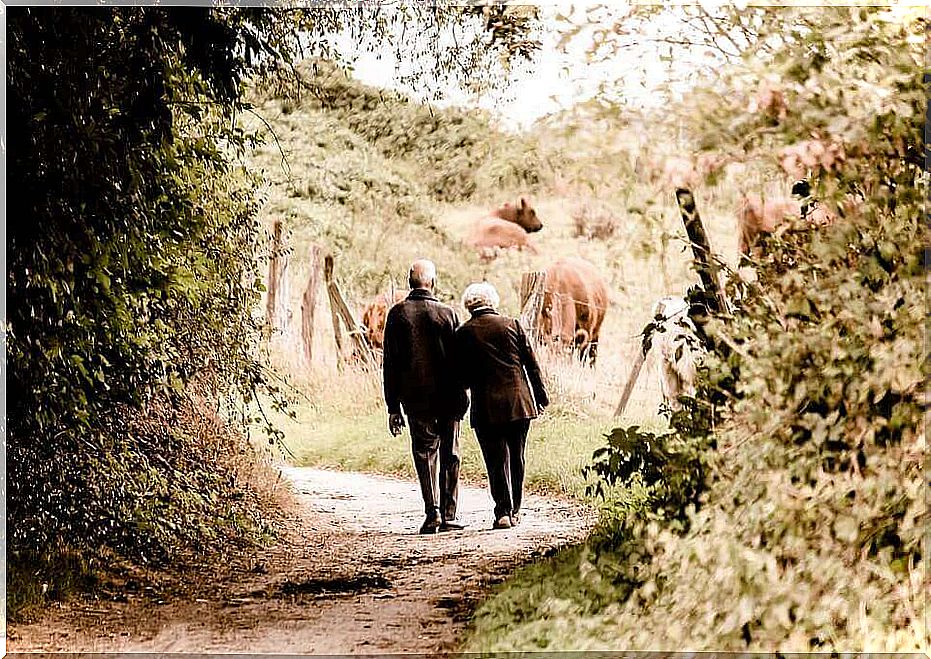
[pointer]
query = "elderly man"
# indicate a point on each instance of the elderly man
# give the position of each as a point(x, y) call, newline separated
point(418, 375)
point(496, 363)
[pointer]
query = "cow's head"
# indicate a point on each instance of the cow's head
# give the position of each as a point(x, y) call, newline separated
point(522, 215)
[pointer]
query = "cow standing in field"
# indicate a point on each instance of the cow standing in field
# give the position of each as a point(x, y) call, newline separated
point(374, 314)
point(575, 300)
point(505, 228)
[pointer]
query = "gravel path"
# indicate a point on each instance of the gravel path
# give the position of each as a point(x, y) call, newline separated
point(350, 576)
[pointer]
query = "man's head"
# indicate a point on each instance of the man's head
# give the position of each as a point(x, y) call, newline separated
point(481, 294)
point(422, 274)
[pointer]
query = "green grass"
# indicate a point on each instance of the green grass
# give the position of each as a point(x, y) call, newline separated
point(348, 430)
point(544, 606)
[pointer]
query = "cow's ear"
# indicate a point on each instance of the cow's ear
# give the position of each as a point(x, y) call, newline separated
point(523, 203)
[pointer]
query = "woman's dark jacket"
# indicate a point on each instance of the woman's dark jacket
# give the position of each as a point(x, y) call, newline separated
point(495, 361)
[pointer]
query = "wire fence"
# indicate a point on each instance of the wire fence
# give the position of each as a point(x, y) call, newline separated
point(575, 386)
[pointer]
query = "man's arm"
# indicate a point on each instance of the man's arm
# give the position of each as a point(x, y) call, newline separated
point(461, 402)
point(391, 377)
point(529, 360)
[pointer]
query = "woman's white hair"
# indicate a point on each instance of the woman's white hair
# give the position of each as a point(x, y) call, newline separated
point(480, 294)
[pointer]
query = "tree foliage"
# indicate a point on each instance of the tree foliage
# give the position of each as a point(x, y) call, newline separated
point(809, 526)
point(134, 254)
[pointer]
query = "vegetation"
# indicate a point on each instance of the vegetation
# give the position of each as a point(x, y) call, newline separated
point(135, 369)
point(126, 280)
point(806, 524)
point(374, 208)
point(790, 486)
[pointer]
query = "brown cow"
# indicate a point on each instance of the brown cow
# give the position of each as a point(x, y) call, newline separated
point(505, 228)
point(374, 315)
point(492, 235)
point(575, 300)
point(522, 215)
point(755, 217)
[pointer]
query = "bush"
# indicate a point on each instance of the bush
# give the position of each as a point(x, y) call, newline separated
point(808, 530)
point(132, 274)
point(594, 222)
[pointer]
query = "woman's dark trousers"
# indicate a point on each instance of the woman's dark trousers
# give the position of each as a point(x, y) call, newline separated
point(503, 449)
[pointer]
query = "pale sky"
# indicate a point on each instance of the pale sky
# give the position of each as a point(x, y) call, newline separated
point(555, 79)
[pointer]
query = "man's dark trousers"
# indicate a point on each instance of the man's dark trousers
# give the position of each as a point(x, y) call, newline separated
point(502, 447)
point(435, 445)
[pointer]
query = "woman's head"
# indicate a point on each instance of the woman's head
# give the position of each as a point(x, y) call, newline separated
point(480, 294)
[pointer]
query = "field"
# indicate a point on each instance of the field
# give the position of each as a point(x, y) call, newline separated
point(372, 207)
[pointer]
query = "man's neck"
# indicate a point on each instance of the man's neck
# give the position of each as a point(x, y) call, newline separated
point(421, 292)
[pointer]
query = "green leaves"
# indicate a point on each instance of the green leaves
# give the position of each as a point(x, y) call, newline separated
point(132, 265)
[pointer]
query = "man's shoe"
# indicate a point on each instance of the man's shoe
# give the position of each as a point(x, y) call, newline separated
point(503, 522)
point(430, 525)
point(515, 519)
point(452, 525)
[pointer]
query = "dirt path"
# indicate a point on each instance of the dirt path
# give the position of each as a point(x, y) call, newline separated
point(351, 577)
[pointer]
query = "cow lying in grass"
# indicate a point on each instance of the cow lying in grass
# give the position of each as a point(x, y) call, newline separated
point(505, 228)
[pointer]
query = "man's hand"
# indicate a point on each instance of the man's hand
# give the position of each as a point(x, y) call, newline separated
point(395, 423)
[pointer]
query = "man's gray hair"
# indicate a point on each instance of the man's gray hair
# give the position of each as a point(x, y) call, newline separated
point(481, 294)
point(422, 274)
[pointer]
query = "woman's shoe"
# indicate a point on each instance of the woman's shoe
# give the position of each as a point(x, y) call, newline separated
point(452, 525)
point(503, 522)
point(431, 525)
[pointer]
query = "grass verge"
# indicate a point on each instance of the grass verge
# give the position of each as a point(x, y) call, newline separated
point(558, 446)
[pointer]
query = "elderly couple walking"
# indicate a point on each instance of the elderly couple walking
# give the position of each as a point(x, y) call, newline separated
point(429, 362)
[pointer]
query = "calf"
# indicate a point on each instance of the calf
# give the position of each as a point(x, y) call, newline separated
point(374, 314)
point(756, 217)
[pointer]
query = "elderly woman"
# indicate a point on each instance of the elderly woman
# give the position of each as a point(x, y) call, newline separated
point(497, 364)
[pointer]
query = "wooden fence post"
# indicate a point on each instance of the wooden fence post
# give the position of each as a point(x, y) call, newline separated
point(277, 302)
point(701, 249)
point(631, 380)
point(340, 312)
point(309, 303)
point(334, 316)
point(532, 286)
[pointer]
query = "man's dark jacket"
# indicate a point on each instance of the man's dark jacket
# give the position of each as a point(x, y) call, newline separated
point(495, 361)
point(418, 358)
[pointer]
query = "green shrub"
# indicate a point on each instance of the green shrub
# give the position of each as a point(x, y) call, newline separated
point(132, 274)
point(806, 533)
